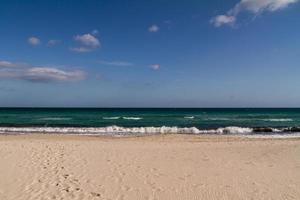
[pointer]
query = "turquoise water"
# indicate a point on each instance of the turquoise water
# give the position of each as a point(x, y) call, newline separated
point(123, 120)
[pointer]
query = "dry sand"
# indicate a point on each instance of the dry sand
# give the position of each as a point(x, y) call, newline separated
point(156, 167)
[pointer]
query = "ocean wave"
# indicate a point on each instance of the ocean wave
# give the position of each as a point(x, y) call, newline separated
point(219, 119)
point(55, 118)
point(110, 118)
point(234, 130)
point(133, 118)
point(189, 117)
point(109, 130)
point(117, 130)
point(279, 120)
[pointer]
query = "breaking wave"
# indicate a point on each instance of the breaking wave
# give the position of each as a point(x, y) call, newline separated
point(189, 117)
point(117, 130)
point(133, 118)
point(110, 118)
point(278, 120)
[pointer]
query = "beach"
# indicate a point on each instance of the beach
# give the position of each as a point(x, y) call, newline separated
point(45, 166)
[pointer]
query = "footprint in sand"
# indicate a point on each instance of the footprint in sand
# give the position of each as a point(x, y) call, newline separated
point(94, 194)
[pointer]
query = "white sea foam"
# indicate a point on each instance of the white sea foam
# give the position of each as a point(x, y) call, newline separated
point(125, 130)
point(189, 117)
point(100, 130)
point(132, 118)
point(279, 120)
point(117, 130)
point(234, 130)
point(111, 118)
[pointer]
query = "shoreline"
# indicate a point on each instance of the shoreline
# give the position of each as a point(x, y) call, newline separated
point(171, 166)
point(292, 131)
point(273, 136)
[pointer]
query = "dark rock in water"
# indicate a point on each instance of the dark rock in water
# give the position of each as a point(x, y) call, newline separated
point(265, 130)
point(295, 129)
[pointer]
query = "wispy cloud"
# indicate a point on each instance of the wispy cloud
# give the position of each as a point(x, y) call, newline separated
point(155, 66)
point(34, 41)
point(89, 42)
point(116, 63)
point(6, 64)
point(53, 42)
point(253, 6)
point(223, 19)
point(27, 72)
point(127, 64)
point(154, 28)
point(81, 49)
point(46, 74)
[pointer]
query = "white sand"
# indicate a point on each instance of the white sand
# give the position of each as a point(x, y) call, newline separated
point(159, 167)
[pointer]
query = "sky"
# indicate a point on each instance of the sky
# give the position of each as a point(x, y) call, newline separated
point(156, 53)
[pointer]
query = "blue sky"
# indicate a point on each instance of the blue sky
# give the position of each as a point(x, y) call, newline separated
point(159, 53)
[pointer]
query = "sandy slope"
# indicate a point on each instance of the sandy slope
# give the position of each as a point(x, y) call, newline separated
point(158, 167)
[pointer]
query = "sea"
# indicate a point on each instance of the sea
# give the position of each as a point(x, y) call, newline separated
point(257, 122)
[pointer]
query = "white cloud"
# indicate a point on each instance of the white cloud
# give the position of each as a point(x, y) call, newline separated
point(89, 42)
point(155, 66)
point(116, 63)
point(34, 41)
point(46, 74)
point(53, 42)
point(222, 19)
point(154, 28)
point(258, 6)
point(5, 64)
point(38, 74)
point(252, 6)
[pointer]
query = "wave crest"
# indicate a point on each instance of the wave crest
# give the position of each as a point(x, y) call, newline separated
point(117, 130)
point(279, 120)
point(110, 118)
point(133, 118)
point(189, 117)
point(125, 130)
